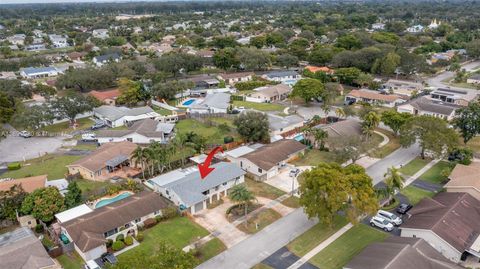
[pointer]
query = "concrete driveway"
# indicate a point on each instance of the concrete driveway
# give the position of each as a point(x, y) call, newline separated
point(284, 181)
point(15, 148)
point(215, 221)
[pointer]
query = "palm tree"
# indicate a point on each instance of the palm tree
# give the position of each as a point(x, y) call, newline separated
point(316, 119)
point(393, 180)
point(180, 143)
point(242, 196)
point(370, 121)
point(320, 135)
point(340, 112)
point(139, 156)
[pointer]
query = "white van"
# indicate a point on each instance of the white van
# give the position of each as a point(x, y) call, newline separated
point(91, 264)
point(394, 219)
point(89, 137)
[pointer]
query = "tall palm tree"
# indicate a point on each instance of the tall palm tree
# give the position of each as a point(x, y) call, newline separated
point(340, 112)
point(242, 196)
point(370, 121)
point(180, 143)
point(393, 180)
point(320, 135)
point(139, 157)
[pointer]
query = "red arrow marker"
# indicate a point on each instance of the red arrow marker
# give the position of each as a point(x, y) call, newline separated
point(204, 167)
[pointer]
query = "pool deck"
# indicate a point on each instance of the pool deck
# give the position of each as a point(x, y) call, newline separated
point(109, 197)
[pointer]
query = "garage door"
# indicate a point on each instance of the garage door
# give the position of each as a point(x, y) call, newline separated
point(198, 207)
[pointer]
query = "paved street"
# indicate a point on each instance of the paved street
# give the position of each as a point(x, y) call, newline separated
point(437, 80)
point(259, 246)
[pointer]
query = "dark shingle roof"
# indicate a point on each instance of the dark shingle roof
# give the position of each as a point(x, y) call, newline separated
point(270, 155)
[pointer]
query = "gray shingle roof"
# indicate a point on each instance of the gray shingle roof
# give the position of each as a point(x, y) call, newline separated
point(276, 74)
point(107, 57)
point(215, 100)
point(425, 104)
point(277, 122)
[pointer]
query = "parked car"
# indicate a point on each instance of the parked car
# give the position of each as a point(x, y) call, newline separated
point(25, 134)
point(89, 137)
point(109, 258)
point(394, 219)
point(294, 172)
point(91, 264)
point(349, 102)
point(98, 125)
point(403, 208)
point(381, 223)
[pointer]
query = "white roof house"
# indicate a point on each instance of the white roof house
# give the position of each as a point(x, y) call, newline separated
point(100, 33)
point(213, 103)
point(39, 72)
point(118, 116)
point(58, 41)
point(73, 213)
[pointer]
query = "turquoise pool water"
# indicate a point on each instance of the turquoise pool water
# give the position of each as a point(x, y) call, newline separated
point(188, 102)
point(299, 137)
point(107, 201)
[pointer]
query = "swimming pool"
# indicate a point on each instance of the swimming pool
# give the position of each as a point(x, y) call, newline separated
point(188, 102)
point(299, 137)
point(106, 201)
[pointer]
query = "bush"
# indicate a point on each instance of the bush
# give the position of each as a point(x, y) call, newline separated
point(14, 166)
point(39, 228)
point(149, 223)
point(169, 212)
point(128, 240)
point(158, 218)
point(461, 155)
point(109, 243)
point(227, 139)
point(139, 237)
point(120, 237)
point(118, 245)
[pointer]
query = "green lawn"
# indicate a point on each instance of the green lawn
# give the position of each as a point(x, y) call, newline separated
point(415, 194)
point(83, 124)
point(434, 174)
point(473, 144)
point(71, 261)
point(314, 157)
point(162, 111)
point(384, 151)
point(414, 166)
point(210, 249)
point(262, 266)
point(50, 164)
point(262, 189)
point(259, 106)
point(89, 185)
point(292, 201)
point(314, 236)
point(178, 232)
point(213, 134)
point(259, 221)
point(342, 250)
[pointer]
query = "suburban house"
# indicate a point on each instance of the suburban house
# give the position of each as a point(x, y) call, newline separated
point(400, 253)
point(90, 231)
point(378, 26)
point(203, 82)
point(106, 97)
point(234, 154)
point(58, 41)
point(270, 94)
point(100, 33)
point(266, 162)
point(415, 29)
point(105, 59)
point(428, 106)
point(315, 69)
point(17, 39)
point(402, 87)
point(29, 184)
point(186, 189)
point(8, 75)
point(456, 97)
point(285, 77)
point(342, 129)
point(280, 125)
point(213, 103)
point(449, 222)
point(374, 97)
point(118, 116)
point(141, 132)
point(38, 72)
point(21, 249)
point(465, 178)
point(232, 78)
point(36, 46)
point(474, 79)
point(107, 161)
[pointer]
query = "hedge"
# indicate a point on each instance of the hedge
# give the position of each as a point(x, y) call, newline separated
point(120, 237)
point(118, 245)
point(14, 166)
point(128, 240)
point(139, 237)
point(149, 223)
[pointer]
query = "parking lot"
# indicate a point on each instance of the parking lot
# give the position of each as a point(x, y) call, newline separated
point(15, 148)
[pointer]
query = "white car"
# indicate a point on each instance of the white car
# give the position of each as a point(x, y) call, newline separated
point(381, 223)
point(394, 219)
point(25, 134)
point(89, 137)
point(91, 264)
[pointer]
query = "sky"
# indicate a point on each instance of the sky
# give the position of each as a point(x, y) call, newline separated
point(69, 1)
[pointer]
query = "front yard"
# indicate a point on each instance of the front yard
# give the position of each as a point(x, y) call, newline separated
point(317, 234)
point(262, 189)
point(64, 127)
point(342, 250)
point(52, 165)
point(415, 194)
point(259, 221)
point(414, 166)
point(313, 157)
point(436, 174)
point(390, 147)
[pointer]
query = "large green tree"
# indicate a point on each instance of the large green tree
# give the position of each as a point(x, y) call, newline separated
point(71, 105)
point(329, 188)
point(11, 201)
point(468, 121)
point(43, 203)
point(370, 121)
point(308, 88)
point(395, 120)
point(34, 117)
point(7, 107)
point(433, 134)
point(253, 126)
point(86, 79)
point(74, 195)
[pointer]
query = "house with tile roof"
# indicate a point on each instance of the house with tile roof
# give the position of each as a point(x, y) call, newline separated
point(374, 97)
point(107, 97)
point(89, 232)
point(186, 189)
point(260, 167)
point(233, 78)
point(141, 132)
point(269, 94)
point(109, 160)
point(465, 178)
point(29, 184)
point(449, 222)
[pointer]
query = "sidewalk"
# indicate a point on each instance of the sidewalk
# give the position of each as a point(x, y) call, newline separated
point(320, 247)
point(420, 172)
